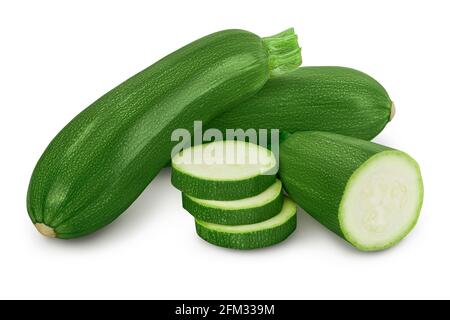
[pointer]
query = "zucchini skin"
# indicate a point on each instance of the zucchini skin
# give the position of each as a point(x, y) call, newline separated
point(233, 217)
point(315, 168)
point(332, 99)
point(97, 166)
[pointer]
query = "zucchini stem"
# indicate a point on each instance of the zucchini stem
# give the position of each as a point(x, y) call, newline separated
point(284, 52)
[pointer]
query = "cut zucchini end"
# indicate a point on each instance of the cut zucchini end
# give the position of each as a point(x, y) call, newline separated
point(45, 230)
point(382, 201)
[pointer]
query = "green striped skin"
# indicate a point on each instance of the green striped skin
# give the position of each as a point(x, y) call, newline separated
point(252, 236)
point(219, 189)
point(104, 158)
point(332, 99)
point(240, 216)
point(316, 169)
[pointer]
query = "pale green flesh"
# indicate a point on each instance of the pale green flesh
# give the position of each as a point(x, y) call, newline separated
point(247, 203)
point(382, 201)
point(225, 161)
point(288, 210)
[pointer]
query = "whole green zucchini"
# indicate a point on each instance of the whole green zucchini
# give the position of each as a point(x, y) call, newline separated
point(105, 157)
point(332, 99)
point(366, 193)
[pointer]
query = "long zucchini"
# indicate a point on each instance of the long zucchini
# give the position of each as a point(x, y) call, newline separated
point(105, 157)
point(332, 99)
point(367, 193)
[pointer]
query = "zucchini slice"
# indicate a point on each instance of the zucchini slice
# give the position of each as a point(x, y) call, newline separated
point(368, 194)
point(252, 236)
point(237, 212)
point(224, 170)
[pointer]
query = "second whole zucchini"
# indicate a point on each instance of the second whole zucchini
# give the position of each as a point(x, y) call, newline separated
point(333, 99)
point(104, 158)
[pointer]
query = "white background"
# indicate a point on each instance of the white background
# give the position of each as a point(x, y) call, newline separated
point(56, 57)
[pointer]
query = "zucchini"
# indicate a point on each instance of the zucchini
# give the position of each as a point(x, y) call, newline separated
point(332, 99)
point(105, 157)
point(238, 212)
point(252, 236)
point(368, 194)
point(224, 170)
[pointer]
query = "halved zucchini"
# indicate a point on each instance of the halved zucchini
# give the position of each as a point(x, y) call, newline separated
point(368, 194)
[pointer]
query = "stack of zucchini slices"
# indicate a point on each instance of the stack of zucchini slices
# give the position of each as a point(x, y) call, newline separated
point(231, 189)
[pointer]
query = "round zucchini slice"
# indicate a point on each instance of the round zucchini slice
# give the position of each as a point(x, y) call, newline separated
point(252, 236)
point(224, 170)
point(237, 212)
